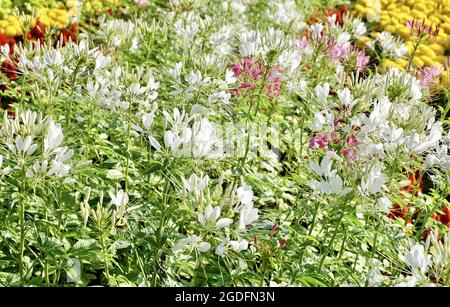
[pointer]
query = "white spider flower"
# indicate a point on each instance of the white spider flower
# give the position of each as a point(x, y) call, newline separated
point(193, 241)
point(195, 184)
point(238, 246)
point(211, 214)
point(415, 257)
point(245, 194)
point(119, 199)
point(374, 181)
point(248, 215)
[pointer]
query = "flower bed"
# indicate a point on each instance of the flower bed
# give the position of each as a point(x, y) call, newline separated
point(243, 143)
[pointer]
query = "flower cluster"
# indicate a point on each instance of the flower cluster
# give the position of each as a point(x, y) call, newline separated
point(408, 20)
point(210, 218)
point(35, 142)
point(249, 73)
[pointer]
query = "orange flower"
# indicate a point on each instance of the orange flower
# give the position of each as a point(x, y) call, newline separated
point(9, 69)
point(37, 33)
point(339, 12)
point(414, 188)
point(444, 217)
point(69, 34)
point(7, 40)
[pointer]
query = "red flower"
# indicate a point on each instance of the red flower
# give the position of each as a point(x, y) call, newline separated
point(9, 69)
point(398, 212)
point(7, 40)
point(444, 217)
point(69, 34)
point(340, 13)
point(37, 33)
point(414, 188)
point(282, 243)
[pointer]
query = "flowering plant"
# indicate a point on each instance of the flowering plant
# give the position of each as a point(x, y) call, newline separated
point(234, 144)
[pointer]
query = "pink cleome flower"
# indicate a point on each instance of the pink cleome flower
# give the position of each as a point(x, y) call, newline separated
point(249, 72)
point(362, 60)
point(429, 76)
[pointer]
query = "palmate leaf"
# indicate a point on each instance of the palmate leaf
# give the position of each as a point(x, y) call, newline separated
point(119, 244)
point(85, 244)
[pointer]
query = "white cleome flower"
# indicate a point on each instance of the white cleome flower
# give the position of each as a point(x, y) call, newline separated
point(245, 194)
point(119, 199)
point(238, 246)
point(415, 257)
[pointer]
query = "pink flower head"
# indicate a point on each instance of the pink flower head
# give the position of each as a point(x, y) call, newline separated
point(244, 86)
point(362, 60)
point(274, 229)
point(419, 29)
point(349, 154)
point(302, 43)
point(336, 122)
point(435, 32)
point(237, 69)
point(338, 52)
point(352, 140)
point(410, 24)
point(248, 64)
point(250, 73)
point(255, 72)
point(274, 74)
point(273, 88)
point(318, 141)
point(429, 75)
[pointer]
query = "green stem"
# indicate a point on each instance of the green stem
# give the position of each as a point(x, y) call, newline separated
point(446, 109)
point(22, 241)
point(374, 247)
point(436, 204)
point(197, 268)
point(159, 235)
point(261, 283)
point(22, 229)
point(72, 92)
point(343, 243)
point(330, 245)
point(258, 101)
point(413, 54)
point(314, 219)
point(311, 228)
point(128, 151)
point(47, 278)
point(104, 251)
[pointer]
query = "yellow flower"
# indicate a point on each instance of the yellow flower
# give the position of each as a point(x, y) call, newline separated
point(427, 51)
point(10, 26)
point(426, 60)
point(438, 49)
point(386, 63)
point(393, 16)
point(402, 62)
point(445, 80)
point(418, 62)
